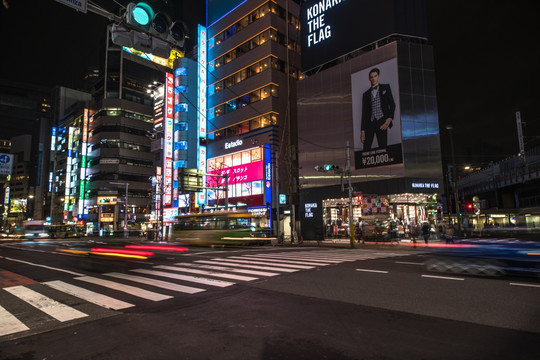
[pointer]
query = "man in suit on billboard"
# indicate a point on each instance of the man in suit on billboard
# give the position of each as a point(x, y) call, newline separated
point(378, 108)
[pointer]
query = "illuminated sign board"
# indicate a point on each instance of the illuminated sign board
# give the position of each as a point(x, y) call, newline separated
point(309, 209)
point(237, 174)
point(107, 217)
point(268, 175)
point(155, 59)
point(168, 158)
point(202, 55)
point(232, 144)
point(106, 200)
point(333, 28)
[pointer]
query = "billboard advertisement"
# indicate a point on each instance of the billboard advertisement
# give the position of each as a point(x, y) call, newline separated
point(376, 115)
point(331, 29)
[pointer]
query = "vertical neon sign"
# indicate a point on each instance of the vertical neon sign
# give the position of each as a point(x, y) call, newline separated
point(82, 177)
point(69, 162)
point(168, 158)
point(201, 102)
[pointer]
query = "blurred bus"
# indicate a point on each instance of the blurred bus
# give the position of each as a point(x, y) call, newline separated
point(35, 229)
point(221, 228)
point(64, 231)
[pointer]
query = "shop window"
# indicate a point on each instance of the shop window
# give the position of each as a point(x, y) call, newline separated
point(237, 159)
point(256, 187)
point(227, 161)
point(256, 155)
point(246, 189)
point(246, 156)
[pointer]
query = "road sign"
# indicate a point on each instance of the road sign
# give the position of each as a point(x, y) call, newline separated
point(79, 5)
point(6, 164)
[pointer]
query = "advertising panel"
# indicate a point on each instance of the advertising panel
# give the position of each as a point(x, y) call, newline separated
point(333, 28)
point(376, 116)
point(237, 174)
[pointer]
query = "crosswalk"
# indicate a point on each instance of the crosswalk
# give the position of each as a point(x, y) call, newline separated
point(62, 301)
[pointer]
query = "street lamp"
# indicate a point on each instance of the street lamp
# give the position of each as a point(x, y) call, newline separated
point(454, 177)
point(126, 233)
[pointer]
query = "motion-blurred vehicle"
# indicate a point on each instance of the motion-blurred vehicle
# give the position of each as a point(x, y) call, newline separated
point(487, 258)
point(35, 229)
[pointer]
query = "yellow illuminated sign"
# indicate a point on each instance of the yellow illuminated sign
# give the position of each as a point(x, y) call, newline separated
point(106, 200)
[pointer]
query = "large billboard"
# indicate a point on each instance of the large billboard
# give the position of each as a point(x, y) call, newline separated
point(333, 28)
point(376, 115)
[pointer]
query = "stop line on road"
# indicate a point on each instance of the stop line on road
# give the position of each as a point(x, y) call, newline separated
point(116, 291)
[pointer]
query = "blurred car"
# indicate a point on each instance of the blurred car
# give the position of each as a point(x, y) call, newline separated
point(487, 258)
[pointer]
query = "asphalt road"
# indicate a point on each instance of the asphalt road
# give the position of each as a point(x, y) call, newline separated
point(259, 303)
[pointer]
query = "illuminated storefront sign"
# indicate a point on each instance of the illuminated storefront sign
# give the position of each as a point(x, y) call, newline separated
point(155, 59)
point(237, 174)
point(106, 200)
point(170, 214)
point(232, 144)
point(168, 158)
point(318, 30)
point(83, 181)
point(201, 102)
point(267, 175)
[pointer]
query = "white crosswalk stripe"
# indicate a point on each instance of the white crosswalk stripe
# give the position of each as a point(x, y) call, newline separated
point(218, 261)
point(132, 290)
point(9, 324)
point(205, 273)
point(200, 280)
point(230, 269)
point(49, 306)
point(88, 295)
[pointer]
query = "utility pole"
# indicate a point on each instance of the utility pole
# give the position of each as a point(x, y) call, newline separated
point(520, 138)
point(450, 128)
point(351, 220)
point(126, 232)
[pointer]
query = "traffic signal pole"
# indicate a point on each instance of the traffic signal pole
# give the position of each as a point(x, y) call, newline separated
point(351, 220)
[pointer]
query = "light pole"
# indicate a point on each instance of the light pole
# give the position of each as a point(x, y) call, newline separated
point(454, 175)
point(126, 233)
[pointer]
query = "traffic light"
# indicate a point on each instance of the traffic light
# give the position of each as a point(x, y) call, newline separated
point(469, 207)
point(147, 31)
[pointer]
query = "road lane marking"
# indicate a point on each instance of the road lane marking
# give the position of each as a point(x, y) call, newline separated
point(196, 279)
point(132, 290)
point(49, 306)
point(9, 324)
point(88, 295)
point(156, 283)
point(409, 263)
point(206, 272)
point(442, 277)
point(528, 285)
point(44, 266)
point(373, 271)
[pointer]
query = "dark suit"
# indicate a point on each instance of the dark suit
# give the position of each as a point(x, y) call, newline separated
point(373, 128)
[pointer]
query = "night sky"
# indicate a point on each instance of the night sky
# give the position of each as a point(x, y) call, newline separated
point(486, 58)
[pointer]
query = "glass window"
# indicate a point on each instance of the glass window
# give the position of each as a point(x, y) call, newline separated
point(255, 96)
point(255, 123)
point(246, 189)
point(246, 156)
point(182, 107)
point(182, 89)
point(219, 86)
point(256, 155)
point(229, 81)
point(218, 110)
point(210, 164)
point(227, 161)
point(219, 61)
point(243, 23)
point(231, 106)
point(265, 92)
point(274, 90)
point(244, 127)
point(243, 101)
point(256, 187)
point(265, 121)
point(237, 159)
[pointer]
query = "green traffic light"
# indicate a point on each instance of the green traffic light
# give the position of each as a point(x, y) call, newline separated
point(328, 167)
point(143, 14)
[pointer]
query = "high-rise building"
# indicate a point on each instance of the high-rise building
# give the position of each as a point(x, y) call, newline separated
point(253, 64)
